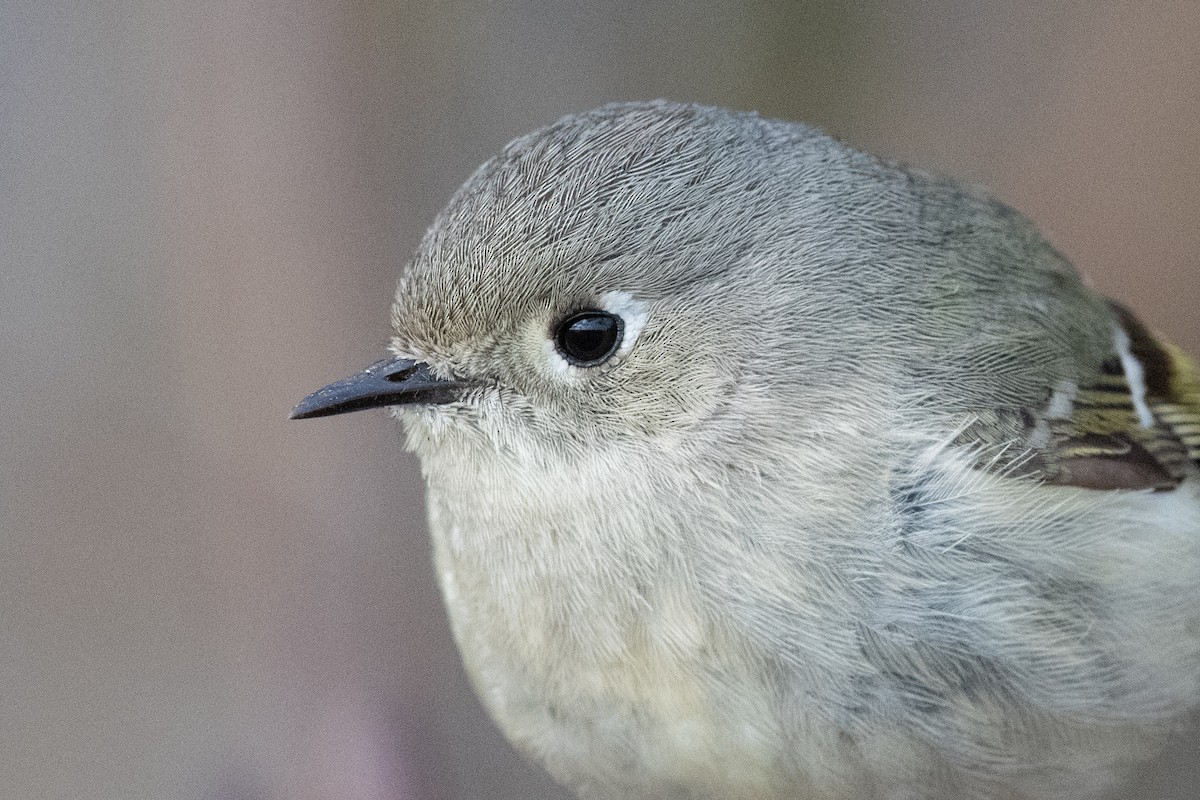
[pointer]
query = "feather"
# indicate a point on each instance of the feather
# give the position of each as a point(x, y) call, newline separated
point(1135, 425)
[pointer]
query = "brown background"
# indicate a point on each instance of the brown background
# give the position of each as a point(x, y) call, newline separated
point(203, 209)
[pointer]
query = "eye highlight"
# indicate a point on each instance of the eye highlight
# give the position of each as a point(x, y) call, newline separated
point(589, 337)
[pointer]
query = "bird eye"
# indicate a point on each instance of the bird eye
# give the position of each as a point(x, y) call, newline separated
point(588, 338)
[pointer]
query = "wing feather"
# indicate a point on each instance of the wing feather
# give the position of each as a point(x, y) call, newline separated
point(1134, 424)
point(1131, 428)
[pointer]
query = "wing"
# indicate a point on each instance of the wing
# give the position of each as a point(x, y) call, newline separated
point(1133, 424)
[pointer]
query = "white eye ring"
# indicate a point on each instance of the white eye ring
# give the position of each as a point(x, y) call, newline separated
point(633, 314)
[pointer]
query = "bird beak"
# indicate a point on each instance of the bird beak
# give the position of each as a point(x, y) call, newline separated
point(390, 382)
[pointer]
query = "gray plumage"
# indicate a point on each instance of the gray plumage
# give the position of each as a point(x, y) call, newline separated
point(798, 538)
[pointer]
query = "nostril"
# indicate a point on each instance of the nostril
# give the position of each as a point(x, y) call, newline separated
point(393, 370)
point(401, 374)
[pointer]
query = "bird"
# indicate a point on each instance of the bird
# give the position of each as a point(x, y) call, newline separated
point(759, 467)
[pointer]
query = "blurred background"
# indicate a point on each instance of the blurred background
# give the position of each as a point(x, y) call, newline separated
point(203, 210)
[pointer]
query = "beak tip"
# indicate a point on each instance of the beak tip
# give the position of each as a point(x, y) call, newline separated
point(299, 413)
point(318, 404)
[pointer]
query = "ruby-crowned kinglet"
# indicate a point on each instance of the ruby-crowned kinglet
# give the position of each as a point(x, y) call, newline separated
point(761, 468)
